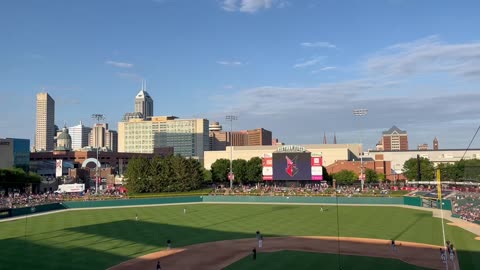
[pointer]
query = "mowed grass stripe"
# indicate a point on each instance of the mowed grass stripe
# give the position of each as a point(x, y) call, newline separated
point(110, 236)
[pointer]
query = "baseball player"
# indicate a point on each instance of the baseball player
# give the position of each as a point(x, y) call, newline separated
point(260, 241)
point(158, 265)
point(254, 253)
point(136, 217)
point(169, 244)
point(392, 245)
point(442, 255)
point(184, 211)
point(258, 235)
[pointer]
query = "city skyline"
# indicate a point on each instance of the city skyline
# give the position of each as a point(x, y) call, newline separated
point(297, 69)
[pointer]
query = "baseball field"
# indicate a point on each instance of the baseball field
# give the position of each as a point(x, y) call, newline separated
point(295, 236)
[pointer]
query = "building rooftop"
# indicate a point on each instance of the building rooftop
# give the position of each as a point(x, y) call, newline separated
point(394, 129)
point(142, 94)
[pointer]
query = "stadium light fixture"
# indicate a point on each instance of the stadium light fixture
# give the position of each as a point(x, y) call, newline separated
point(361, 113)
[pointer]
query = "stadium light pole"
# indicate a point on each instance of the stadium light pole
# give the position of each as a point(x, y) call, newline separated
point(361, 113)
point(98, 117)
point(231, 118)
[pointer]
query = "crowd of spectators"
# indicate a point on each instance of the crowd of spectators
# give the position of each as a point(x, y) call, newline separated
point(307, 190)
point(467, 206)
point(19, 200)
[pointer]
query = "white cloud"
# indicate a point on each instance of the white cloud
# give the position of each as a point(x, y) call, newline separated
point(318, 44)
point(427, 56)
point(230, 5)
point(390, 98)
point(119, 64)
point(308, 63)
point(230, 63)
point(324, 69)
point(285, 110)
point(251, 6)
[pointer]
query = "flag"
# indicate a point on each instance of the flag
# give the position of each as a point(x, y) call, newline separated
point(439, 185)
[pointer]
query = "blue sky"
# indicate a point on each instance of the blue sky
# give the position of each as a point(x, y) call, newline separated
point(297, 68)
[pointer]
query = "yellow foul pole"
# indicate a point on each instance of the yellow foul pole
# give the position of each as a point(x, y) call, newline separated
point(439, 192)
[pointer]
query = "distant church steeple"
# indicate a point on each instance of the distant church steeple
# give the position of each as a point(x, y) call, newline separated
point(334, 138)
point(435, 144)
point(324, 138)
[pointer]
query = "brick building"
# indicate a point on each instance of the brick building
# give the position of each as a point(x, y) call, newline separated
point(220, 140)
point(393, 139)
point(117, 161)
point(379, 165)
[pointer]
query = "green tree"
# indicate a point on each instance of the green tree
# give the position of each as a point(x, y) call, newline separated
point(254, 170)
point(240, 170)
point(371, 176)
point(137, 175)
point(469, 169)
point(410, 168)
point(207, 175)
point(381, 177)
point(220, 169)
point(195, 176)
point(345, 177)
point(168, 174)
point(450, 172)
point(156, 175)
point(17, 178)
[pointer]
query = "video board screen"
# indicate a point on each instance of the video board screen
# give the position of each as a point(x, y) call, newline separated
point(292, 166)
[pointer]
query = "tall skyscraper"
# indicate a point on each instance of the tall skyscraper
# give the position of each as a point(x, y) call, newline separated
point(144, 103)
point(96, 138)
point(111, 140)
point(79, 134)
point(45, 126)
point(101, 137)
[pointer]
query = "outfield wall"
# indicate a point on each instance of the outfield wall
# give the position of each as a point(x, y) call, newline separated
point(298, 199)
point(133, 202)
point(15, 212)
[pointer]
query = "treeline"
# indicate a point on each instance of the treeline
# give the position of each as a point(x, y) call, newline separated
point(16, 177)
point(346, 177)
point(167, 174)
point(463, 170)
point(459, 171)
point(244, 171)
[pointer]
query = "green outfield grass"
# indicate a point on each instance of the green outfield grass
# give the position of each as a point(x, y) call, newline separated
point(289, 260)
point(97, 239)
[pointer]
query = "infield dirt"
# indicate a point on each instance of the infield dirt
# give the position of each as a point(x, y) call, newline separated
point(218, 255)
